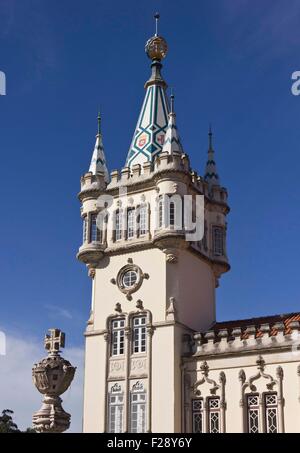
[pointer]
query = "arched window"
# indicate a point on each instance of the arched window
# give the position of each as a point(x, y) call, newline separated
point(209, 419)
point(118, 225)
point(95, 234)
point(197, 415)
point(115, 409)
point(85, 229)
point(218, 241)
point(138, 407)
point(160, 212)
point(172, 213)
point(139, 334)
point(117, 336)
point(269, 413)
point(143, 211)
point(214, 424)
point(130, 223)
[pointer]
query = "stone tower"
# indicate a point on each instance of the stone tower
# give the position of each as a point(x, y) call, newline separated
point(153, 279)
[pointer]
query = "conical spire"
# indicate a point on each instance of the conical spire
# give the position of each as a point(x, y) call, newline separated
point(152, 124)
point(211, 175)
point(172, 142)
point(98, 163)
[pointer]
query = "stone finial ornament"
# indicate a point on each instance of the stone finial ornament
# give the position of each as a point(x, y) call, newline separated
point(52, 376)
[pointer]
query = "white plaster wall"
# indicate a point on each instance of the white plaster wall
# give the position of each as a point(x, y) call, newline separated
point(191, 281)
point(152, 292)
point(94, 384)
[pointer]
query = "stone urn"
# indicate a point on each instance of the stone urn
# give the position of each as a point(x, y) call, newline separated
point(52, 376)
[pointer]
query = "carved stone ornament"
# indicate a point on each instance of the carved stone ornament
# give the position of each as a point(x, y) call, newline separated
point(52, 376)
point(116, 388)
point(138, 280)
point(171, 256)
point(138, 387)
point(92, 272)
point(204, 368)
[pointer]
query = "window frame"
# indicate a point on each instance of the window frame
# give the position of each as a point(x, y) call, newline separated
point(143, 209)
point(218, 242)
point(198, 412)
point(267, 407)
point(139, 405)
point(119, 411)
point(212, 411)
point(118, 220)
point(141, 337)
point(117, 337)
point(85, 229)
point(132, 220)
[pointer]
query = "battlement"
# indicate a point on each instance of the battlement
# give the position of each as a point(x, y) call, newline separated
point(163, 164)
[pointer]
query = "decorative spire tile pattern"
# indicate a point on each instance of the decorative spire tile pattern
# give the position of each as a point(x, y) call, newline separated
point(98, 163)
point(172, 143)
point(148, 138)
point(211, 175)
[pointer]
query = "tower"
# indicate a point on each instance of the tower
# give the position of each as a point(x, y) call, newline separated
point(153, 277)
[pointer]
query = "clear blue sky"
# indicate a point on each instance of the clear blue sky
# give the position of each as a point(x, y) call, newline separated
point(230, 63)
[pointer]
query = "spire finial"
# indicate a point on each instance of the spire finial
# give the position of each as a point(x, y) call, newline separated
point(156, 17)
point(172, 97)
point(156, 47)
point(99, 123)
point(210, 134)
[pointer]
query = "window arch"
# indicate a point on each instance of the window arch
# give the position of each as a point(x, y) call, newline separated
point(262, 411)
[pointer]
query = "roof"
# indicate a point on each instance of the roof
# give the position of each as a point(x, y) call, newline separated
point(286, 319)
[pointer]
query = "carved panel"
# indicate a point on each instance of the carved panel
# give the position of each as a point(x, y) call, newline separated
point(138, 366)
point(116, 368)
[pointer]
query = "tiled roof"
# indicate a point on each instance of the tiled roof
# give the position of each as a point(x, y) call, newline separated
point(286, 319)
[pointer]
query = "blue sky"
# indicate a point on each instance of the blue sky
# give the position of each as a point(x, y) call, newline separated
point(229, 62)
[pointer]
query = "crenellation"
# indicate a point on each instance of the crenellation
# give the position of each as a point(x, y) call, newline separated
point(136, 170)
point(114, 177)
point(265, 330)
point(126, 174)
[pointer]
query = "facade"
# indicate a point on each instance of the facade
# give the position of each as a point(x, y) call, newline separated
point(156, 360)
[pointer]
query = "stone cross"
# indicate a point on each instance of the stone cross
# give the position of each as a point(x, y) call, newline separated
point(54, 341)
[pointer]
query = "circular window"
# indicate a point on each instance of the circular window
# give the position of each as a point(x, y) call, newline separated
point(130, 278)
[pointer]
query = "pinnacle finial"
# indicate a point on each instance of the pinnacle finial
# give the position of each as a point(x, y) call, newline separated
point(156, 47)
point(99, 123)
point(210, 134)
point(172, 97)
point(54, 341)
point(156, 17)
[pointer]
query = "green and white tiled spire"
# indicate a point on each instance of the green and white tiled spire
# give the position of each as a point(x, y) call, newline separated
point(98, 163)
point(148, 138)
point(172, 143)
point(211, 174)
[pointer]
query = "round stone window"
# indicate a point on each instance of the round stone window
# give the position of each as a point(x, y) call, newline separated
point(130, 278)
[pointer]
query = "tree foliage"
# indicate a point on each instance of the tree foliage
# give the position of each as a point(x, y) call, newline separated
point(7, 425)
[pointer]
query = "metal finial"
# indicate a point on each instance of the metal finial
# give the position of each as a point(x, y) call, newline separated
point(172, 97)
point(210, 137)
point(99, 123)
point(156, 17)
